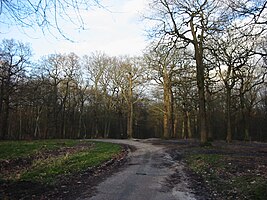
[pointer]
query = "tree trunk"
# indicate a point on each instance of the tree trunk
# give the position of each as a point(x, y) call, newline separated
point(188, 125)
point(244, 119)
point(185, 125)
point(198, 47)
point(81, 119)
point(107, 129)
point(209, 115)
point(130, 108)
point(95, 125)
point(183, 130)
point(202, 102)
point(168, 113)
point(228, 115)
point(130, 121)
point(63, 122)
point(5, 105)
point(5, 120)
point(175, 126)
point(37, 132)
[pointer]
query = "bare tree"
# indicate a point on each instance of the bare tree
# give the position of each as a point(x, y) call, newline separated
point(188, 22)
point(255, 9)
point(232, 52)
point(129, 80)
point(45, 14)
point(193, 23)
point(185, 94)
point(68, 89)
point(52, 74)
point(14, 57)
point(250, 81)
point(96, 65)
point(163, 62)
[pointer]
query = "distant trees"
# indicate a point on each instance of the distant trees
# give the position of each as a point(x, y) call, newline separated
point(133, 75)
point(231, 53)
point(14, 58)
point(162, 62)
point(65, 96)
point(204, 75)
point(95, 66)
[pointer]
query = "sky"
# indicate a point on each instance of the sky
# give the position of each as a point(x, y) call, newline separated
point(116, 28)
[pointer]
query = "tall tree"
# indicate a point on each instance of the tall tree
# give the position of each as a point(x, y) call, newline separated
point(162, 62)
point(250, 80)
point(185, 94)
point(188, 22)
point(131, 77)
point(68, 90)
point(193, 23)
point(96, 65)
point(14, 57)
point(52, 69)
point(232, 52)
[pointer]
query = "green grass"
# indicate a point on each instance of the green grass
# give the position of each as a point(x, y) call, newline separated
point(20, 149)
point(48, 170)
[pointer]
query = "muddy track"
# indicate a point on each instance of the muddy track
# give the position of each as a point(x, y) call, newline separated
point(151, 172)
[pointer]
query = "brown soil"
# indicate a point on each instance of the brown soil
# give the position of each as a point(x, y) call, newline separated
point(241, 159)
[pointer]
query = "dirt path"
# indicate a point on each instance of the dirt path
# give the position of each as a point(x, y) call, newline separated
point(158, 169)
point(151, 173)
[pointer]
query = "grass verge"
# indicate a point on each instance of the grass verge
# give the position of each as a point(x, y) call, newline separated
point(46, 169)
point(21, 149)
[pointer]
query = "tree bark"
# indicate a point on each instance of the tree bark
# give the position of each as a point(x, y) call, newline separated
point(209, 114)
point(188, 125)
point(130, 107)
point(201, 93)
point(5, 120)
point(130, 121)
point(175, 125)
point(245, 118)
point(168, 113)
point(228, 115)
point(198, 47)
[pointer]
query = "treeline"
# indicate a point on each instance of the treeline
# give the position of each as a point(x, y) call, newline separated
point(65, 96)
point(203, 76)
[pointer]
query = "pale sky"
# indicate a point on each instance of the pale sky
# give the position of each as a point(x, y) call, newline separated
point(116, 30)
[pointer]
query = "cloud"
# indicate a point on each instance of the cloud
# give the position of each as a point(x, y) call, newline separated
point(115, 29)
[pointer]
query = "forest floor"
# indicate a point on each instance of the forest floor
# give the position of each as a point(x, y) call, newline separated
point(221, 171)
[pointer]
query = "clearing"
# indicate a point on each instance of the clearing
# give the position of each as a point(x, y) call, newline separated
point(135, 169)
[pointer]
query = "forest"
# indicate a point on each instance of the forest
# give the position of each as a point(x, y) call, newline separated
point(203, 76)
